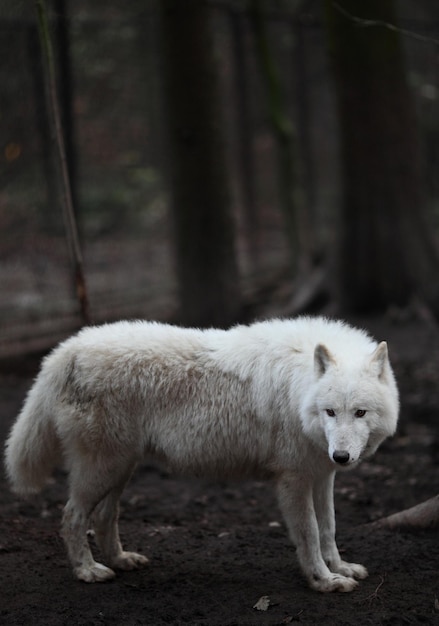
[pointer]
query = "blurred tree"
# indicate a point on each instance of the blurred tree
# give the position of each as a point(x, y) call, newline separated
point(61, 157)
point(244, 131)
point(292, 199)
point(65, 89)
point(204, 230)
point(387, 252)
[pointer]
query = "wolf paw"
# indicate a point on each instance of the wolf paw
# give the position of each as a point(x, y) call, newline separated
point(351, 570)
point(96, 573)
point(129, 561)
point(334, 582)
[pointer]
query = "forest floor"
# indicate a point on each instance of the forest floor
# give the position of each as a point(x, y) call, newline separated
point(215, 549)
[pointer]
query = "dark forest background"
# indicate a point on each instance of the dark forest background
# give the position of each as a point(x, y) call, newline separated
point(227, 159)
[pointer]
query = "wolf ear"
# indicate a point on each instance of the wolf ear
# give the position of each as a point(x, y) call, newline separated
point(322, 359)
point(379, 360)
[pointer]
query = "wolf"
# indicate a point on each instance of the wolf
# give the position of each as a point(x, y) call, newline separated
point(292, 400)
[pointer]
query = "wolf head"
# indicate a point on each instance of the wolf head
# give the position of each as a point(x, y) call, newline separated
point(352, 406)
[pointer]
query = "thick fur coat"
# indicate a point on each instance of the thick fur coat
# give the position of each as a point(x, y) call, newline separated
point(291, 400)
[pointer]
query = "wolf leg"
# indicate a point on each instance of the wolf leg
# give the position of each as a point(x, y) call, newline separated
point(105, 523)
point(91, 481)
point(295, 493)
point(323, 495)
point(74, 532)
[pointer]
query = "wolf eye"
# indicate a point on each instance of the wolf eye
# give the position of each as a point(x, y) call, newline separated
point(330, 412)
point(360, 413)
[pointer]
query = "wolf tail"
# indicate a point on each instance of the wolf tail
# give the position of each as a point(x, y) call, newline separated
point(33, 448)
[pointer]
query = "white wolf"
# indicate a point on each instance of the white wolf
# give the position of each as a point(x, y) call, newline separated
point(293, 400)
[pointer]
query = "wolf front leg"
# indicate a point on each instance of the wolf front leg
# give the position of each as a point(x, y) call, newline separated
point(323, 496)
point(295, 493)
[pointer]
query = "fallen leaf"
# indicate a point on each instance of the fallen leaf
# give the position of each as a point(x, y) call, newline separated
point(262, 604)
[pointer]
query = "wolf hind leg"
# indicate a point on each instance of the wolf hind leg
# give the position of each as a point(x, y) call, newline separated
point(105, 524)
point(92, 481)
point(74, 532)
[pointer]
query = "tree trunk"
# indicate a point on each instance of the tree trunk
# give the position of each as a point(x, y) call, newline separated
point(387, 254)
point(66, 91)
point(290, 185)
point(65, 188)
point(244, 131)
point(204, 229)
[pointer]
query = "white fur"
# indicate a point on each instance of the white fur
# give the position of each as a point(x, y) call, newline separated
point(250, 401)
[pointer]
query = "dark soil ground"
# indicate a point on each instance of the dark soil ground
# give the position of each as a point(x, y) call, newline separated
point(215, 549)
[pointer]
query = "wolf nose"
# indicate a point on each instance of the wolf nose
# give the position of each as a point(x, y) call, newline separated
point(341, 456)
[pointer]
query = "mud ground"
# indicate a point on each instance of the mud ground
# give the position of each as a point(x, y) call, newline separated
point(215, 549)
